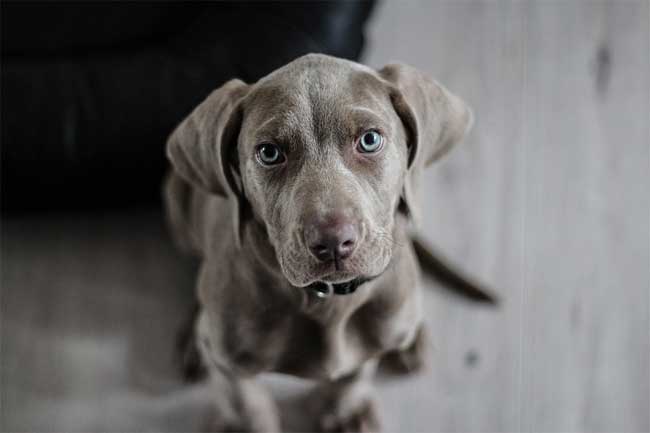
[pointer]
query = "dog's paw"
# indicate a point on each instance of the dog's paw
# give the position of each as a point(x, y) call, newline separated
point(187, 356)
point(248, 413)
point(216, 423)
point(362, 419)
point(237, 425)
point(410, 360)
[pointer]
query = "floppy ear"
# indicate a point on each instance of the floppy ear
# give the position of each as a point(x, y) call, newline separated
point(202, 149)
point(435, 120)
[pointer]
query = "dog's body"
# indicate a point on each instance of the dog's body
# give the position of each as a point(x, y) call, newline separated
point(273, 235)
point(294, 330)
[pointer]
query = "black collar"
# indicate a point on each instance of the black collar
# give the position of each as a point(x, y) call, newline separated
point(323, 290)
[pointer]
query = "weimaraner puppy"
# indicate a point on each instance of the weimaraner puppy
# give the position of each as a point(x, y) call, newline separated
point(298, 193)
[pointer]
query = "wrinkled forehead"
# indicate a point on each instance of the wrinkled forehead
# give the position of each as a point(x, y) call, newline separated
point(295, 105)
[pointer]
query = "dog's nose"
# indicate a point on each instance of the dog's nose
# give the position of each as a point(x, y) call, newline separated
point(335, 239)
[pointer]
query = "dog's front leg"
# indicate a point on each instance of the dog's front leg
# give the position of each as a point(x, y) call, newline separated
point(242, 405)
point(346, 404)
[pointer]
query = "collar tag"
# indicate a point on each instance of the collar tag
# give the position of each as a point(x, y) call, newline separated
point(320, 289)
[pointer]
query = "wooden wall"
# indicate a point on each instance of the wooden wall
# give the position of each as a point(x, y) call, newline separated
point(549, 201)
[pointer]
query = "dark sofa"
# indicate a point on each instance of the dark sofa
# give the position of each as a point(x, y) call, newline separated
point(90, 90)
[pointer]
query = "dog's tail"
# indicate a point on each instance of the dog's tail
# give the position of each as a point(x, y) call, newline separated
point(435, 266)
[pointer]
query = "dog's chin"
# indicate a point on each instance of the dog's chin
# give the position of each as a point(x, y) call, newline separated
point(327, 273)
point(338, 277)
point(331, 277)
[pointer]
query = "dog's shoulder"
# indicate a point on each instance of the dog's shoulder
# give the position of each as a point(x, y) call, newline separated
point(249, 318)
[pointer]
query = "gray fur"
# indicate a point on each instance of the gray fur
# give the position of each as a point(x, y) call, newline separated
point(246, 222)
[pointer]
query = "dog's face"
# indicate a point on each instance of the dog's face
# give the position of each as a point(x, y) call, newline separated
point(322, 153)
point(322, 157)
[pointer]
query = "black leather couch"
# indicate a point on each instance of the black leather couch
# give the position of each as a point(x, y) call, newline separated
point(91, 90)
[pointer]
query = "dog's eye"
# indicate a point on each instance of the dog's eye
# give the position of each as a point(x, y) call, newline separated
point(269, 154)
point(370, 141)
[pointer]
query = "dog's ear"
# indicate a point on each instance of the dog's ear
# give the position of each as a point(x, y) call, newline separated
point(435, 120)
point(199, 148)
point(203, 148)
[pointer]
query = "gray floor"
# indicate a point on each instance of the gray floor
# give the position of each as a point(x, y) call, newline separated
point(548, 201)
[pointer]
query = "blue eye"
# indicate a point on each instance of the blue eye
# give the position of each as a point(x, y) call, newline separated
point(370, 141)
point(269, 154)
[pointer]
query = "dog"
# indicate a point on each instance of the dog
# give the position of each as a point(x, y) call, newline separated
point(298, 194)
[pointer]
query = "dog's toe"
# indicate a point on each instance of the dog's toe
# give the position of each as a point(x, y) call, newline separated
point(363, 419)
point(410, 360)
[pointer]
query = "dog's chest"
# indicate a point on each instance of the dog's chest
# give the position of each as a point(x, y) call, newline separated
point(324, 341)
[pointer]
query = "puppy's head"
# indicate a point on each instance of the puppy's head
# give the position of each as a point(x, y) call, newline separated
point(322, 152)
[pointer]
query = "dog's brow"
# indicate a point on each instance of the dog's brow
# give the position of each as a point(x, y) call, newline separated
point(365, 116)
point(260, 130)
point(362, 109)
point(277, 128)
point(284, 127)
